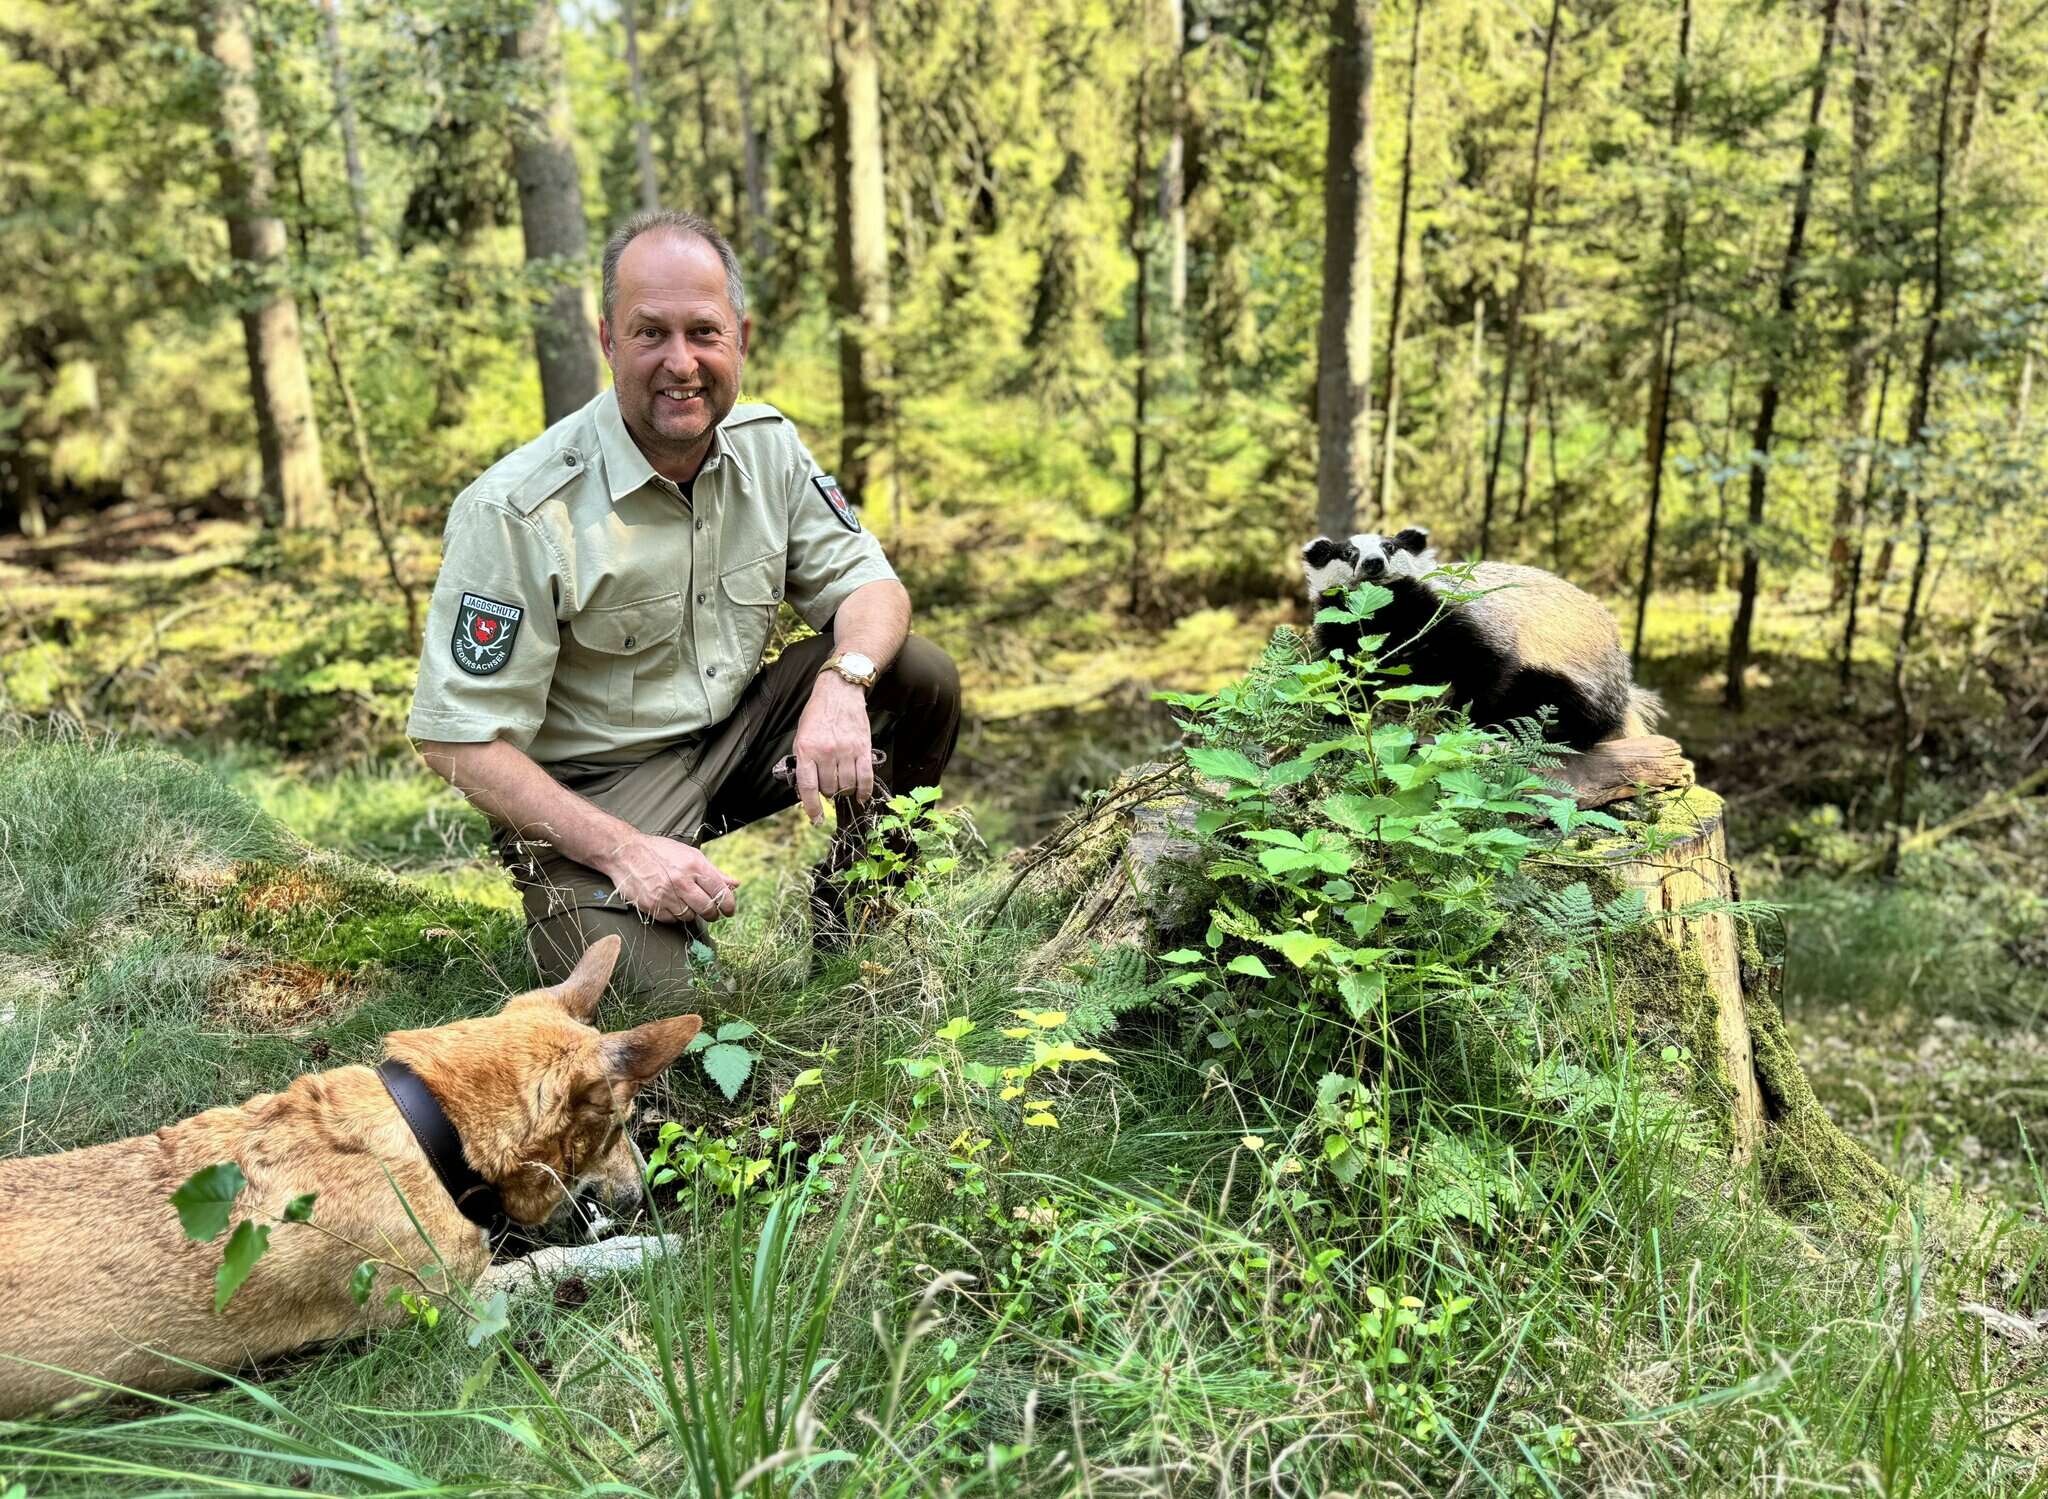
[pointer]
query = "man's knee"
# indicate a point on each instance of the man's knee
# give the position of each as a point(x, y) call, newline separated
point(656, 955)
point(926, 674)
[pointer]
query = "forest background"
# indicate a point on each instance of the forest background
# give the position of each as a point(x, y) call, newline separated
point(1732, 311)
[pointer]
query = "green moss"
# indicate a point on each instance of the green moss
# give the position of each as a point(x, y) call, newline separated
point(344, 916)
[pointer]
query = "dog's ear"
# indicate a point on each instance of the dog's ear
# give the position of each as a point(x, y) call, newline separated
point(635, 1056)
point(582, 989)
point(1414, 539)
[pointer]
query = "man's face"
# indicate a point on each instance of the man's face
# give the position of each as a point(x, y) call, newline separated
point(675, 347)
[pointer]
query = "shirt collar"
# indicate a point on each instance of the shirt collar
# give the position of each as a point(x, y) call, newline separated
point(626, 468)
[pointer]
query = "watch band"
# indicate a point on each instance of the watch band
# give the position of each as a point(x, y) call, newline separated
point(836, 663)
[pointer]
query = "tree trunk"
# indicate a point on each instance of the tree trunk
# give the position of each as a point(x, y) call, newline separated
point(754, 166)
point(1916, 433)
point(1475, 424)
point(1390, 400)
point(1658, 428)
point(1854, 580)
point(1513, 332)
point(860, 216)
point(1526, 467)
point(1141, 297)
point(1344, 338)
point(1959, 167)
point(1854, 479)
point(1173, 207)
point(345, 116)
point(1128, 870)
point(636, 93)
point(1767, 402)
point(295, 491)
point(551, 215)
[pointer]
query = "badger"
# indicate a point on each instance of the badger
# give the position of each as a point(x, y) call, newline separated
point(1528, 640)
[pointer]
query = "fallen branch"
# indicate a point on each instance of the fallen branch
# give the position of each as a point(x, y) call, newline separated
point(546, 1266)
point(1992, 805)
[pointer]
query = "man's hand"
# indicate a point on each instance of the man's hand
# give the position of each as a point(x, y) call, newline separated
point(833, 745)
point(670, 881)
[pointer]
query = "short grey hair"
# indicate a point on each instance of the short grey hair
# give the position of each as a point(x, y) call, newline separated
point(675, 221)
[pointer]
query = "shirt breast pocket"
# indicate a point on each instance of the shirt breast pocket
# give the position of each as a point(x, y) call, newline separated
point(751, 593)
point(633, 655)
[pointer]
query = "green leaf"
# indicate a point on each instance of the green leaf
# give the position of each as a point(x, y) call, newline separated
point(493, 1320)
point(1251, 965)
point(1299, 948)
point(982, 1074)
point(300, 1208)
point(1412, 692)
point(359, 1282)
point(1362, 993)
point(955, 1028)
point(1181, 955)
point(478, 1378)
point(735, 1030)
point(700, 1042)
point(1224, 765)
point(729, 1066)
point(207, 1199)
point(245, 1247)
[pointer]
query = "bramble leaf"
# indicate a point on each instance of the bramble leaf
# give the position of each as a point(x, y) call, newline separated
point(729, 1066)
point(246, 1245)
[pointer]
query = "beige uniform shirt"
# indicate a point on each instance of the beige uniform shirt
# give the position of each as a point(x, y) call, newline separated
point(587, 612)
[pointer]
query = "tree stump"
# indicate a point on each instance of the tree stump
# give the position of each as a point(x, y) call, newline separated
point(1128, 871)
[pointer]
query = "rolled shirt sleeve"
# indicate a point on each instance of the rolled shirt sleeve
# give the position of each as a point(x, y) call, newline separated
point(828, 559)
point(492, 635)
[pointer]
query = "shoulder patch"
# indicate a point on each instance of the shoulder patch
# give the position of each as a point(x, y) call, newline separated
point(752, 411)
point(484, 632)
point(526, 493)
point(835, 498)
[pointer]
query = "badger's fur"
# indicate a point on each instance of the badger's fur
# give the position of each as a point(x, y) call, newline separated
point(1528, 640)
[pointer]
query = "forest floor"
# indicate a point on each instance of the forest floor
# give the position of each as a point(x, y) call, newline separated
point(1916, 1002)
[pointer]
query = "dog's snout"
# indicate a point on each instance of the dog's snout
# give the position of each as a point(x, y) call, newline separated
point(1372, 567)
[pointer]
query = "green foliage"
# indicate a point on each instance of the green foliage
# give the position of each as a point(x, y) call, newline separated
point(207, 1199)
point(726, 1062)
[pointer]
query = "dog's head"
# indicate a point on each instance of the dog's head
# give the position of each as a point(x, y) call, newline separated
point(541, 1098)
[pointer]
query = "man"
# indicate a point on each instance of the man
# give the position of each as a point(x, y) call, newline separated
point(592, 670)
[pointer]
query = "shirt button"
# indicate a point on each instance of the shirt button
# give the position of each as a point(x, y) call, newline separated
point(710, 671)
point(700, 525)
point(629, 642)
point(569, 460)
point(702, 597)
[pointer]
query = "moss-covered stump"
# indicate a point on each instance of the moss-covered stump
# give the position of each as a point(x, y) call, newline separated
point(1122, 869)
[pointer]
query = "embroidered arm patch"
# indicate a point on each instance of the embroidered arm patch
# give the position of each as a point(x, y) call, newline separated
point(842, 507)
point(484, 632)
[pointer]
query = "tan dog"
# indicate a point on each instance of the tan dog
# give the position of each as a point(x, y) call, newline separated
point(97, 1275)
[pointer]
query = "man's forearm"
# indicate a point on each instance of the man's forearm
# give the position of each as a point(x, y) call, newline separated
point(874, 621)
point(510, 789)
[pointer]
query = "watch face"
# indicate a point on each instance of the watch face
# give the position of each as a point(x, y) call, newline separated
point(858, 664)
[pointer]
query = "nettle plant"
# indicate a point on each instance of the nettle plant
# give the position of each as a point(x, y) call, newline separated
point(1359, 837)
point(1366, 847)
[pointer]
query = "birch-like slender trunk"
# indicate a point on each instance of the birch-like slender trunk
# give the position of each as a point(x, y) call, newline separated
point(1390, 400)
point(1513, 331)
point(860, 217)
point(1853, 481)
point(345, 117)
point(1658, 427)
point(295, 493)
point(636, 92)
point(551, 216)
point(1344, 338)
point(1173, 206)
point(1767, 402)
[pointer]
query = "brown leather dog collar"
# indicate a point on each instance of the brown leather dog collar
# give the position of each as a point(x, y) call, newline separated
point(478, 1200)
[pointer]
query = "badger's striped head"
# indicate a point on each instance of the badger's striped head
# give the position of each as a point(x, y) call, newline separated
point(1367, 558)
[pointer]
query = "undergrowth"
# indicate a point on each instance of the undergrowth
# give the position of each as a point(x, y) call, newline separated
point(1369, 1181)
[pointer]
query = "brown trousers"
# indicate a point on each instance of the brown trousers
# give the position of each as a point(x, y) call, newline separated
point(720, 780)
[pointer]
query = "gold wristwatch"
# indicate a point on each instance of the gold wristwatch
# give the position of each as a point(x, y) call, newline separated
point(854, 667)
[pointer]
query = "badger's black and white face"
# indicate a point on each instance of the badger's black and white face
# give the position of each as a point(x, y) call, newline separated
point(1366, 558)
